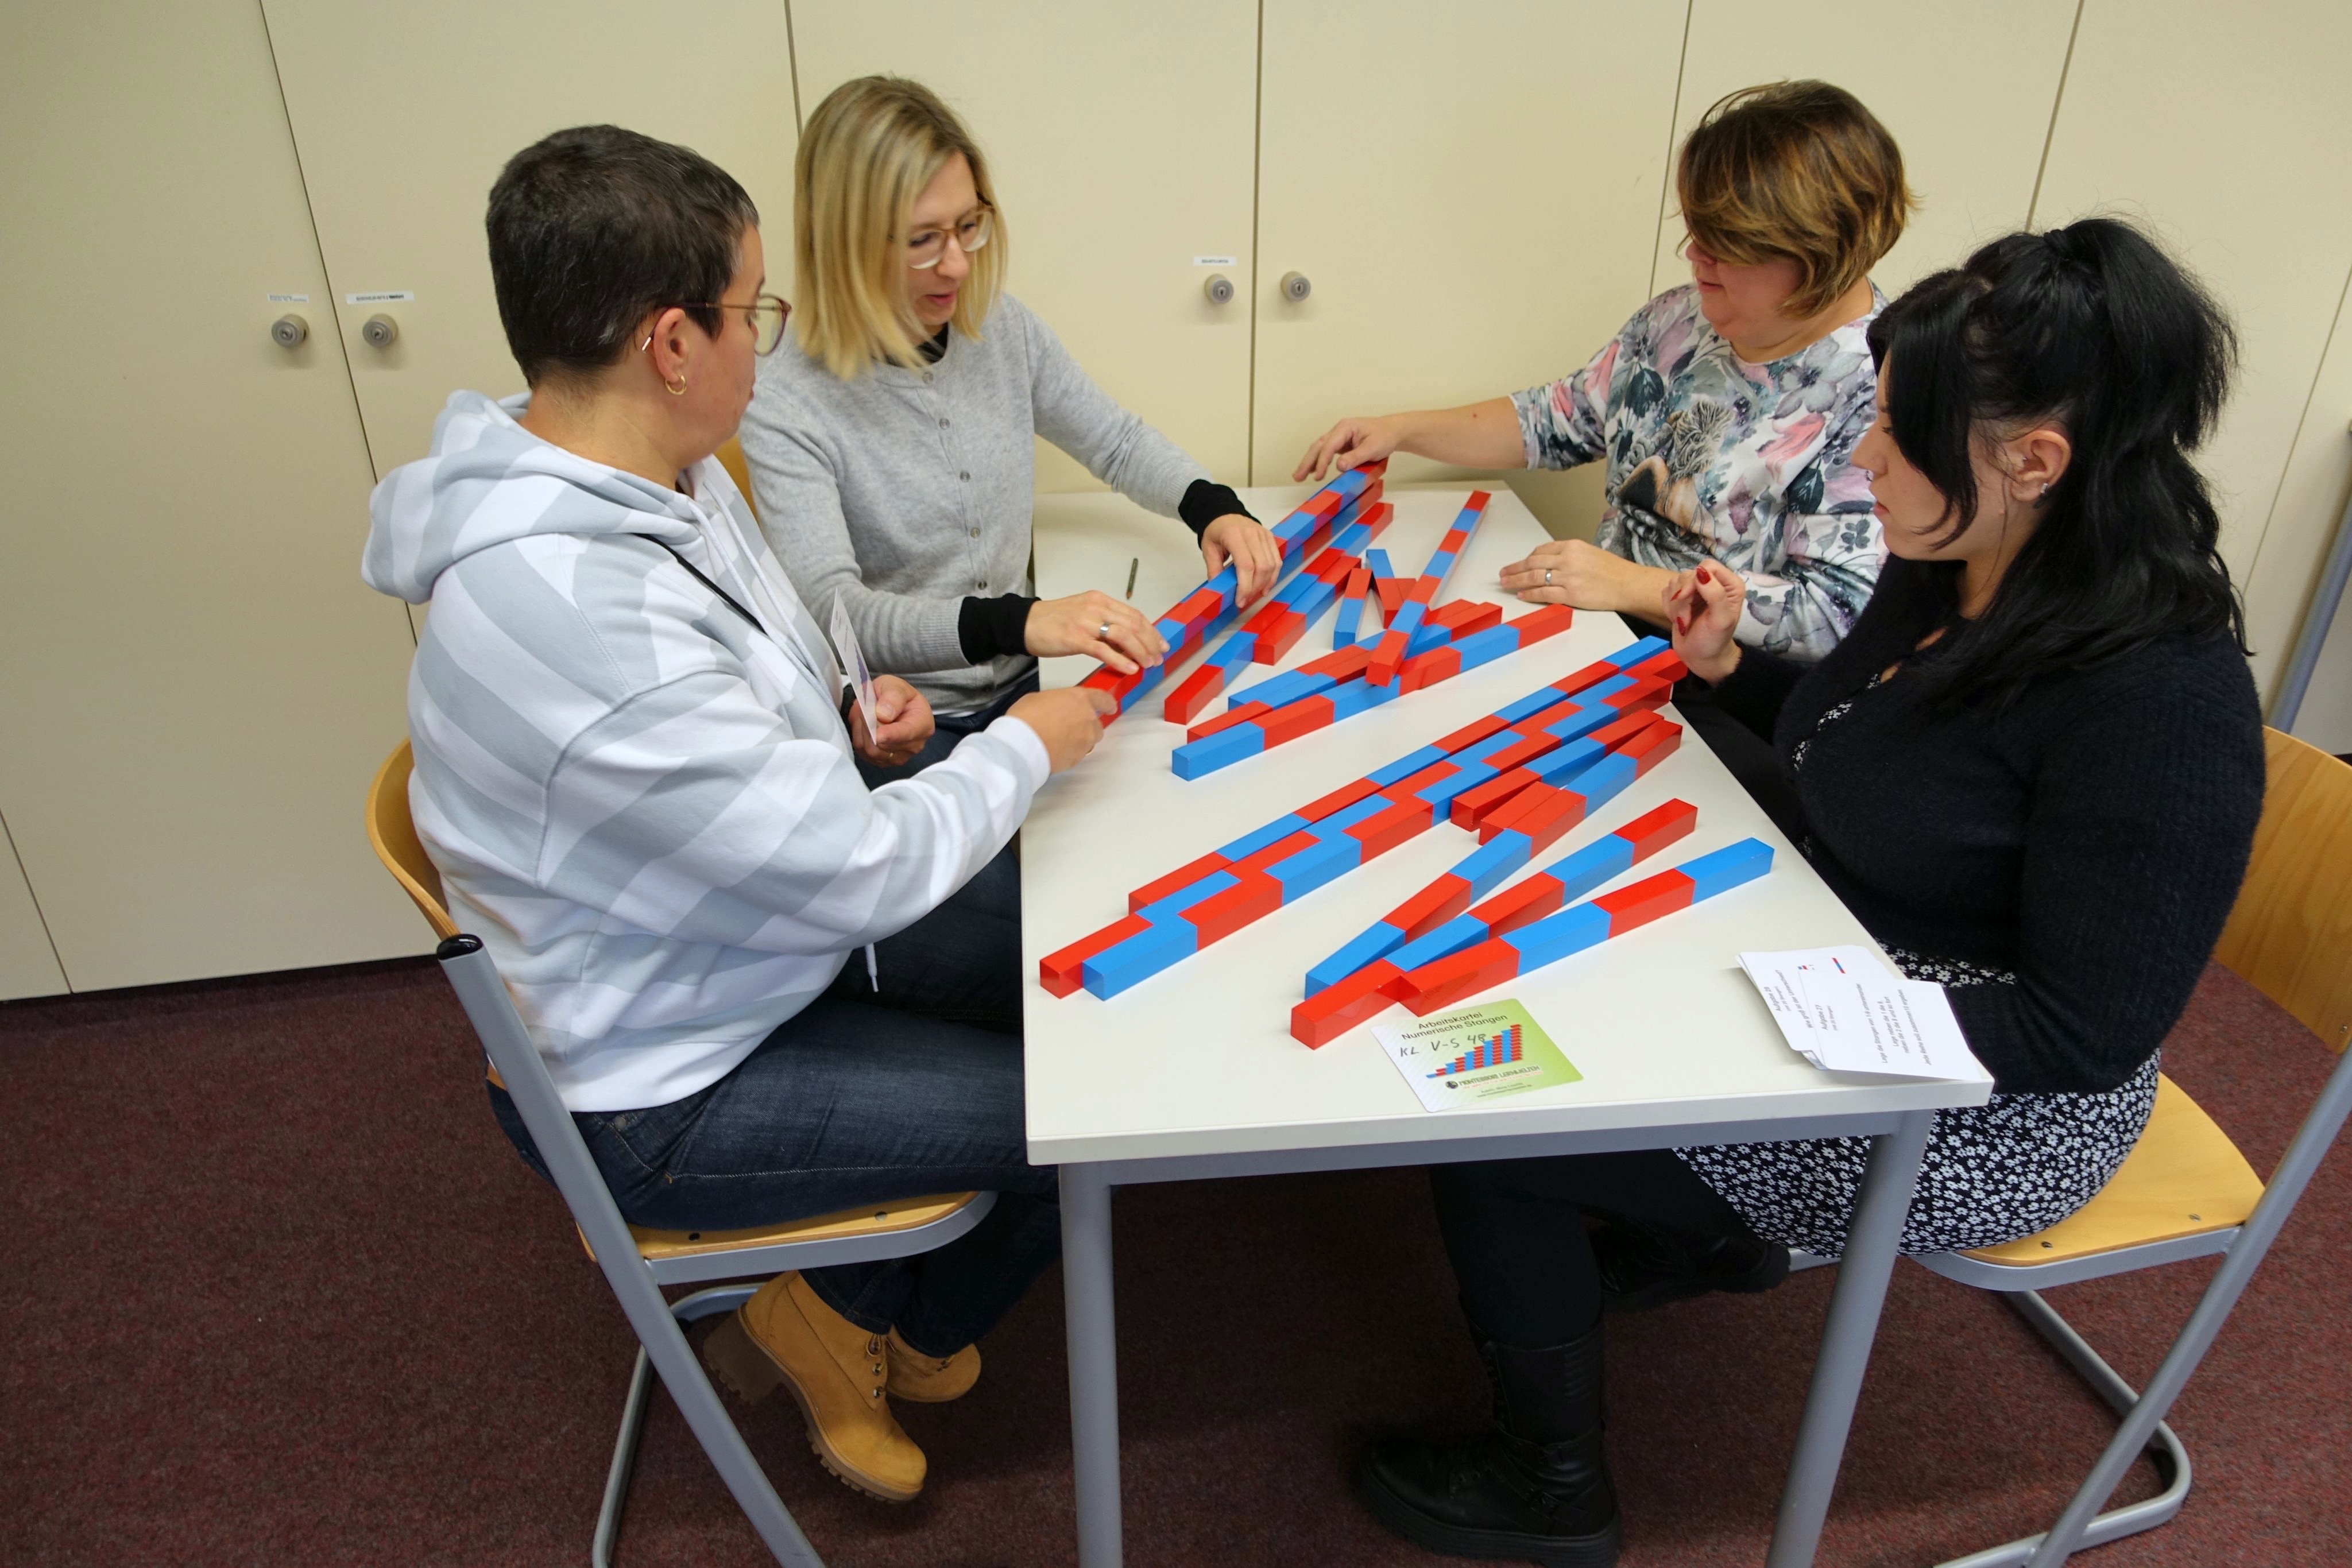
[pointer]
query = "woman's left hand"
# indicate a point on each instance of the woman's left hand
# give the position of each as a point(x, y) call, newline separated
point(1239, 537)
point(1570, 571)
point(903, 719)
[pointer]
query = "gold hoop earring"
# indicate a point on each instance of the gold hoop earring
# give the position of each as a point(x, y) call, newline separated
point(678, 391)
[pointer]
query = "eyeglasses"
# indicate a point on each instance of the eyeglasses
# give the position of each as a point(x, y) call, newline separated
point(928, 248)
point(766, 316)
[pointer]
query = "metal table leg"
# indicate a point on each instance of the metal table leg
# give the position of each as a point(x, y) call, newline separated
point(1861, 1291)
point(1094, 1362)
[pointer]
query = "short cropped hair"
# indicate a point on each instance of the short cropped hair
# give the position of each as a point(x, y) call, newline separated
point(590, 228)
point(865, 154)
point(1794, 170)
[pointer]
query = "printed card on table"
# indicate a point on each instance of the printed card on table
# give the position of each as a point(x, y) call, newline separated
point(852, 663)
point(1475, 1054)
point(1842, 1011)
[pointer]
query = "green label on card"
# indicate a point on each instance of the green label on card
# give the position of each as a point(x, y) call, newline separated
point(1475, 1054)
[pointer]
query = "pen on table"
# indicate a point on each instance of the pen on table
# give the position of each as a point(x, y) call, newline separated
point(1132, 563)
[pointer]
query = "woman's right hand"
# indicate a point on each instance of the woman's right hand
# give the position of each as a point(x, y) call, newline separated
point(1703, 607)
point(1096, 625)
point(1069, 720)
point(1350, 443)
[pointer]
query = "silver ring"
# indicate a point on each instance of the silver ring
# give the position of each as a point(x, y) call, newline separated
point(1102, 633)
point(1546, 576)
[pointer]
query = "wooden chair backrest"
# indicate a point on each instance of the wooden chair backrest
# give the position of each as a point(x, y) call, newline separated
point(2291, 930)
point(396, 844)
point(730, 457)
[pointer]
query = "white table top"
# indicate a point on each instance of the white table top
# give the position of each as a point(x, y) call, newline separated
point(1199, 1060)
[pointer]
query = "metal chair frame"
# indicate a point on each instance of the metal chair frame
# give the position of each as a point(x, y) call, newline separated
point(636, 1279)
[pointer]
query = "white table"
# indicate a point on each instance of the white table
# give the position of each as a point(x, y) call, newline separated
point(1192, 1074)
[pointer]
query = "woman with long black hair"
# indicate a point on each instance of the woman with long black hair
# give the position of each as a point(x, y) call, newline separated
point(2032, 769)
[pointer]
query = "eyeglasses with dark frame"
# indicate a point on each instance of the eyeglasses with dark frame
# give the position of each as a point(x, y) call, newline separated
point(766, 316)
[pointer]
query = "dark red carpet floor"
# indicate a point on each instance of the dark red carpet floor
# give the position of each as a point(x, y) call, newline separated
point(278, 1292)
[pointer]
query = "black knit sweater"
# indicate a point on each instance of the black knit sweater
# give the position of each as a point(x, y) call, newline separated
point(2088, 839)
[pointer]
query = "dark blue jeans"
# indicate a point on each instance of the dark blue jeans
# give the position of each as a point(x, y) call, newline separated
point(868, 1094)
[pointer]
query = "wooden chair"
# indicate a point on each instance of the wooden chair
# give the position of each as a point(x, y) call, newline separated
point(2185, 1191)
point(636, 1261)
point(730, 457)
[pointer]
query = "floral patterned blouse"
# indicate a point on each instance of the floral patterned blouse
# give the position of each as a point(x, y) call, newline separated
point(1710, 455)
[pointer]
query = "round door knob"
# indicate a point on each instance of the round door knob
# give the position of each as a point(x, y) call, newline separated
point(1219, 288)
point(1294, 287)
point(379, 331)
point(288, 331)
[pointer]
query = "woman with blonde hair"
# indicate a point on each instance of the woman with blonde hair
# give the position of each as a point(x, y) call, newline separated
point(891, 443)
point(1726, 409)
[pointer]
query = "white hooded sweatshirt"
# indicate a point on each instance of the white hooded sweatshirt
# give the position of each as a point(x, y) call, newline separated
point(643, 804)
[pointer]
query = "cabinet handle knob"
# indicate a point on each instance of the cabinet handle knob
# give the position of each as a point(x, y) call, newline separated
point(379, 331)
point(1219, 288)
point(288, 331)
point(1294, 287)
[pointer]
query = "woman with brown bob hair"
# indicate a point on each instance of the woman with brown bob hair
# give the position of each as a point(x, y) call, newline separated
point(1727, 408)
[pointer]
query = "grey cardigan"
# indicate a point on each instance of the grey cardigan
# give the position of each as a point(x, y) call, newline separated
point(906, 492)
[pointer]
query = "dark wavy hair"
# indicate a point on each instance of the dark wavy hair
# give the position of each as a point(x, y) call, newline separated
point(2094, 328)
point(592, 227)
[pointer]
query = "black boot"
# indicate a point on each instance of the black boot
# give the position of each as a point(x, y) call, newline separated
point(1535, 1487)
point(1645, 1266)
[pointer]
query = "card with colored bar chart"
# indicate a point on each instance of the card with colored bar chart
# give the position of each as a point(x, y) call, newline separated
point(1474, 1054)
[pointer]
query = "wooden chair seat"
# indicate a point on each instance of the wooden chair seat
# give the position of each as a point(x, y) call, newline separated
point(658, 1246)
point(2184, 1177)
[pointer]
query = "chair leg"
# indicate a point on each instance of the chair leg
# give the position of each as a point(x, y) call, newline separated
point(2164, 1448)
point(685, 1310)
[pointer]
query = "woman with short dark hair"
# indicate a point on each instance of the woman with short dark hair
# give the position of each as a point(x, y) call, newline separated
point(2032, 771)
point(634, 772)
point(1726, 409)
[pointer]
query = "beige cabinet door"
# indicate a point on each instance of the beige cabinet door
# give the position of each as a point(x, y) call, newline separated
point(28, 964)
point(405, 114)
point(1470, 200)
point(1967, 98)
point(1121, 138)
point(2311, 503)
point(195, 685)
point(2227, 128)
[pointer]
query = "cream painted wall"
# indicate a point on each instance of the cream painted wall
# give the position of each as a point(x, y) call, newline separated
point(2310, 505)
point(1120, 139)
point(405, 117)
point(194, 687)
point(1967, 93)
point(28, 964)
point(2228, 130)
point(1472, 204)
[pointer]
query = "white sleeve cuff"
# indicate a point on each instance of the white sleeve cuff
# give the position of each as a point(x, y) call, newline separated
point(1016, 734)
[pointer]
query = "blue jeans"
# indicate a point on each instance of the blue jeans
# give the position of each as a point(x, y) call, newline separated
point(868, 1094)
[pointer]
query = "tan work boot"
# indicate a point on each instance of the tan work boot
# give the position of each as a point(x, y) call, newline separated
point(836, 1371)
point(930, 1379)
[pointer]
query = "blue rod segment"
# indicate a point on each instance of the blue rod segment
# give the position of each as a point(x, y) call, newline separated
point(1486, 647)
point(1727, 868)
point(1534, 703)
point(1287, 687)
point(1559, 766)
point(1555, 937)
point(1256, 839)
point(1350, 698)
point(1139, 958)
point(1336, 824)
point(1633, 654)
point(1310, 868)
point(1367, 947)
point(1493, 861)
point(1196, 758)
point(1462, 931)
point(1407, 766)
point(1588, 867)
point(1465, 776)
point(1602, 780)
point(1378, 560)
point(1191, 894)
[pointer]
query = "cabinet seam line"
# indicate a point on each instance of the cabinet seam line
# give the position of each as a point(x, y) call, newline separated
point(793, 62)
point(38, 913)
point(310, 214)
point(1257, 180)
point(1674, 119)
point(2302, 423)
point(2050, 135)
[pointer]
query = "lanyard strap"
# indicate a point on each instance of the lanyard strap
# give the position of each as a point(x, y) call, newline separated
point(725, 597)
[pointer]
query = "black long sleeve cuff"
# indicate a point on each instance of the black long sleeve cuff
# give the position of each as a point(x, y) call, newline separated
point(1756, 688)
point(1205, 501)
point(990, 627)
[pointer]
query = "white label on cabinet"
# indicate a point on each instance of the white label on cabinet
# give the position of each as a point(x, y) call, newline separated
point(1215, 261)
point(289, 298)
point(379, 296)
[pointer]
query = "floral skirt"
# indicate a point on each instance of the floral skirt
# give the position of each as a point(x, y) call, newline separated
point(1992, 1172)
